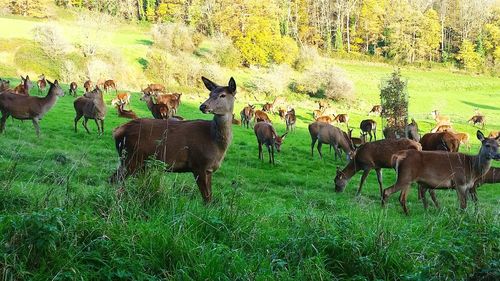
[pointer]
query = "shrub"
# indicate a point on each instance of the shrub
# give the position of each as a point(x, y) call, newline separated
point(273, 82)
point(308, 56)
point(174, 37)
point(285, 51)
point(51, 39)
point(468, 58)
point(97, 68)
point(225, 53)
point(331, 83)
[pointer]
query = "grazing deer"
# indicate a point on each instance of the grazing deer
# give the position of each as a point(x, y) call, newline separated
point(368, 126)
point(317, 113)
point(28, 107)
point(322, 105)
point(110, 84)
point(327, 134)
point(477, 119)
point(158, 110)
point(290, 120)
point(266, 134)
point(376, 110)
point(439, 128)
point(121, 99)
point(197, 146)
point(411, 131)
point(235, 121)
point(246, 115)
point(91, 106)
point(122, 112)
point(492, 176)
point(325, 119)
point(87, 85)
point(494, 134)
point(463, 138)
point(442, 170)
point(100, 83)
point(342, 118)
point(445, 141)
point(23, 88)
point(41, 83)
point(261, 116)
point(372, 155)
point(440, 119)
point(72, 89)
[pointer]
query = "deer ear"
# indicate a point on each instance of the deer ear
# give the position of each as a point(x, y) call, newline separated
point(50, 83)
point(27, 77)
point(284, 135)
point(209, 84)
point(480, 135)
point(56, 82)
point(232, 85)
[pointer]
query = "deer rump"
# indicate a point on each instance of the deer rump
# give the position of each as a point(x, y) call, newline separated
point(173, 142)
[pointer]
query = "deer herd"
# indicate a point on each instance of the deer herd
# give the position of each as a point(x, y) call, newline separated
point(199, 147)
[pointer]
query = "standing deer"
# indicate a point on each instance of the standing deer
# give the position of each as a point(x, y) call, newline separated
point(91, 106)
point(28, 107)
point(4, 85)
point(72, 89)
point(442, 170)
point(440, 141)
point(325, 119)
point(266, 135)
point(368, 126)
point(23, 88)
point(121, 99)
point(477, 119)
point(322, 105)
point(290, 120)
point(440, 119)
point(376, 110)
point(246, 115)
point(342, 118)
point(41, 83)
point(261, 116)
point(411, 131)
point(373, 155)
point(267, 107)
point(327, 134)
point(172, 101)
point(317, 113)
point(197, 146)
point(158, 110)
point(87, 85)
point(110, 84)
point(282, 113)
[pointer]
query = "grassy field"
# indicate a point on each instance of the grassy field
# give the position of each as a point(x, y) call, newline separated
point(61, 220)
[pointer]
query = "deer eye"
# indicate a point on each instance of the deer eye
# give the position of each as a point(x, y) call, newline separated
point(222, 96)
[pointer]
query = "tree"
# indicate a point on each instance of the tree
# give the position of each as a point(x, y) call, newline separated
point(468, 58)
point(430, 35)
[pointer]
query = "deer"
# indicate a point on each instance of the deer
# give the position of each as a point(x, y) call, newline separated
point(376, 110)
point(290, 120)
point(91, 106)
point(87, 85)
point(155, 88)
point(356, 142)
point(4, 85)
point(197, 146)
point(172, 101)
point(158, 110)
point(439, 128)
point(282, 113)
point(235, 121)
point(463, 138)
point(477, 119)
point(372, 155)
point(122, 112)
point(368, 126)
point(100, 83)
point(393, 133)
point(411, 131)
point(317, 113)
point(261, 116)
point(325, 119)
point(442, 170)
point(72, 89)
point(440, 141)
point(41, 83)
point(28, 107)
point(122, 98)
point(266, 135)
point(246, 115)
point(23, 88)
point(322, 105)
point(325, 133)
point(494, 134)
point(267, 107)
point(342, 118)
point(440, 119)
point(110, 84)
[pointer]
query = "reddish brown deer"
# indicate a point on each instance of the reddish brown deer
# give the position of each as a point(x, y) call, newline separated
point(246, 115)
point(197, 146)
point(440, 119)
point(373, 155)
point(290, 120)
point(266, 135)
point(342, 118)
point(317, 113)
point(463, 138)
point(122, 112)
point(100, 83)
point(327, 134)
point(322, 105)
point(439, 128)
point(87, 85)
point(72, 89)
point(261, 116)
point(23, 88)
point(28, 107)
point(155, 88)
point(172, 101)
point(477, 119)
point(440, 141)
point(122, 98)
point(235, 121)
point(110, 84)
point(267, 107)
point(376, 110)
point(411, 131)
point(41, 83)
point(325, 119)
point(442, 170)
point(282, 113)
point(158, 110)
point(91, 106)
point(368, 126)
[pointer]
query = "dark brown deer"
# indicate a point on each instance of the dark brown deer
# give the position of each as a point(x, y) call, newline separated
point(373, 155)
point(72, 89)
point(442, 170)
point(246, 115)
point(158, 110)
point(411, 131)
point(28, 107)
point(282, 113)
point(197, 146)
point(122, 112)
point(110, 84)
point(376, 110)
point(445, 141)
point(290, 120)
point(267, 107)
point(356, 142)
point(477, 119)
point(266, 135)
point(4, 85)
point(87, 85)
point(91, 106)
point(327, 134)
point(368, 126)
point(261, 116)
point(41, 83)
point(393, 133)
point(342, 118)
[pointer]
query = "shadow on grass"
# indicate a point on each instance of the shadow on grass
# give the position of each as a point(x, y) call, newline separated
point(483, 106)
point(144, 63)
point(144, 42)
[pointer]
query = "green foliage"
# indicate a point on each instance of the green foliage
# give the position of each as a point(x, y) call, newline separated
point(394, 101)
point(468, 58)
point(308, 57)
point(285, 51)
point(226, 53)
point(174, 37)
point(32, 8)
point(330, 82)
point(51, 39)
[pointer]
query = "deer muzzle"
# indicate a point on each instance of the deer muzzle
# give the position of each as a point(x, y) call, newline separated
point(204, 108)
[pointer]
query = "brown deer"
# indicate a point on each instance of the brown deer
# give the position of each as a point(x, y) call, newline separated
point(356, 142)
point(172, 101)
point(411, 131)
point(368, 126)
point(327, 134)
point(494, 134)
point(463, 138)
point(317, 113)
point(122, 112)
point(266, 135)
point(197, 146)
point(4, 85)
point(393, 133)
point(267, 107)
point(261, 116)
point(28, 107)
point(439, 128)
point(121, 99)
point(342, 118)
point(91, 106)
point(373, 155)
point(440, 141)
point(87, 85)
point(158, 110)
point(477, 119)
point(41, 83)
point(442, 170)
point(322, 105)
point(235, 121)
point(440, 119)
point(282, 113)
point(492, 176)
point(290, 120)
point(23, 88)
point(100, 83)
point(72, 89)
point(325, 119)
point(110, 84)
point(246, 115)
point(155, 88)
point(376, 110)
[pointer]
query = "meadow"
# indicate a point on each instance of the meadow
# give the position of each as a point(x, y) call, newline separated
point(61, 220)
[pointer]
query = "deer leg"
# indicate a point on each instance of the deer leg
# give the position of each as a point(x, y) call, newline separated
point(433, 197)
point(370, 133)
point(77, 118)
point(260, 151)
point(37, 127)
point(462, 197)
point(402, 198)
point(84, 123)
point(375, 134)
point(319, 149)
point(204, 182)
point(421, 195)
point(379, 179)
point(5, 115)
point(269, 152)
point(313, 142)
point(102, 126)
point(363, 178)
point(98, 126)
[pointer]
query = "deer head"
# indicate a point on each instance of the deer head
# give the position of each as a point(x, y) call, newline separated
point(221, 98)
point(489, 147)
point(54, 88)
point(278, 141)
point(340, 180)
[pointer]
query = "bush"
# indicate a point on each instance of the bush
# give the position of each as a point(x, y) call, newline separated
point(285, 51)
point(308, 56)
point(273, 82)
point(51, 39)
point(174, 37)
point(225, 53)
point(331, 83)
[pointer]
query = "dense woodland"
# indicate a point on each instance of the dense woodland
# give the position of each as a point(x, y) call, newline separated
point(461, 32)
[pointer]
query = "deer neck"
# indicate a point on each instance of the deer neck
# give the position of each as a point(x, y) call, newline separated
point(49, 100)
point(350, 170)
point(221, 130)
point(481, 164)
